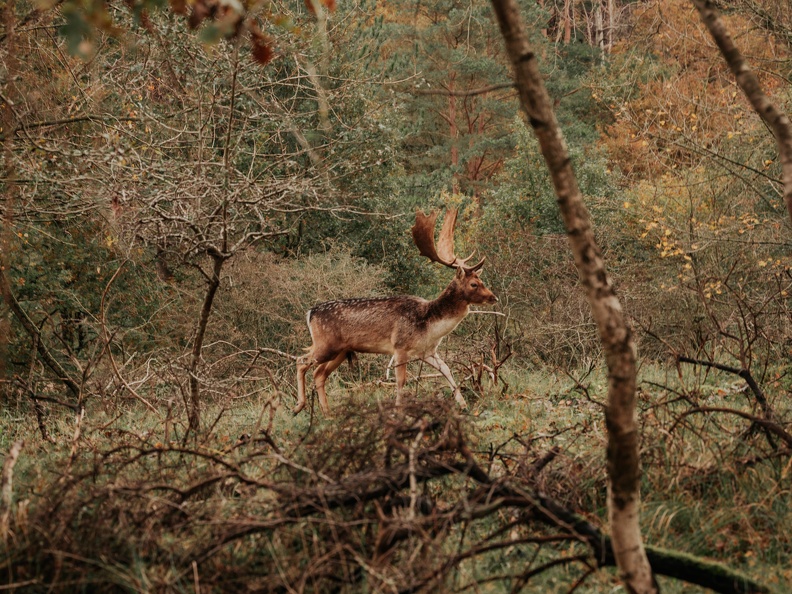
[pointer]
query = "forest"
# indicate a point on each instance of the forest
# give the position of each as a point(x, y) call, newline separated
point(183, 181)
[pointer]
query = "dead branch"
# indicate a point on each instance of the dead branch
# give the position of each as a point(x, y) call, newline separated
point(356, 503)
point(766, 424)
point(769, 414)
point(743, 373)
point(486, 497)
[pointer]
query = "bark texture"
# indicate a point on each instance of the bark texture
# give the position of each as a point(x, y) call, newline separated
point(776, 120)
point(624, 469)
point(7, 489)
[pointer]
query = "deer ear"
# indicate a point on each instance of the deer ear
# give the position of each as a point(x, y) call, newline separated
point(460, 273)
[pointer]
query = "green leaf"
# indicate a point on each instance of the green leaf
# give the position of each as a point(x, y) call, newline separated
point(75, 30)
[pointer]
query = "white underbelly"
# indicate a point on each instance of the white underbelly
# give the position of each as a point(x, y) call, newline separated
point(384, 346)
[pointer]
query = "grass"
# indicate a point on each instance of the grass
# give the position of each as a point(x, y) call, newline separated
point(709, 487)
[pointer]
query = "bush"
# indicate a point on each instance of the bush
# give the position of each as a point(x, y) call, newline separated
point(268, 296)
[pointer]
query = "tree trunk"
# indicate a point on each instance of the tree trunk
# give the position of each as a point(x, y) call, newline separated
point(8, 121)
point(777, 121)
point(194, 412)
point(624, 470)
point(609, 36)
point(567, 21)
point(453, 132)
point(599, 32)
point(7, 490)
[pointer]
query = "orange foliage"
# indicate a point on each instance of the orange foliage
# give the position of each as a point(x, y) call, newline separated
point(691, 102)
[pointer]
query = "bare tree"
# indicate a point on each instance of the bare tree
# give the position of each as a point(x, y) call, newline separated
point(624, 470)
point(180, 165)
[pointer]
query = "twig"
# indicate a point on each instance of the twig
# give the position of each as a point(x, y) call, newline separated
point(279, 353)
point(468, 93)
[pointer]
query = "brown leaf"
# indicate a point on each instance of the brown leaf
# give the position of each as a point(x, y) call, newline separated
point(262, 50)
point(179, 6)
point(201, 10)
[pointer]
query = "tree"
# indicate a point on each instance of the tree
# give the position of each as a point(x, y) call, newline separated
point(623, 438)
point(453, 82)
point(177, 177)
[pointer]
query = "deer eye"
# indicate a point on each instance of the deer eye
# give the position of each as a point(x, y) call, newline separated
point(473, 285)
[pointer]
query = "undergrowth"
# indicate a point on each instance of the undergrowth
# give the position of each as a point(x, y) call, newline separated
point(380, 500)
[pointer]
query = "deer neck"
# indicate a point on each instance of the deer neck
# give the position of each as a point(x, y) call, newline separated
point(450, 305)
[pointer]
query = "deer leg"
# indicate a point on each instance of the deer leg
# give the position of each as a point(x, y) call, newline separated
point(400, 366)
point(303, 364)
point(441, 366)
point(321, 374)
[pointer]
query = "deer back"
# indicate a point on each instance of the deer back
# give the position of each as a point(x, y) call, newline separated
point(375, 325)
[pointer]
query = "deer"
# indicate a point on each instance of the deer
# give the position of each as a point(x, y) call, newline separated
point(406, 327)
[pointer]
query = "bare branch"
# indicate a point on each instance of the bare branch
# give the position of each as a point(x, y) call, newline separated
point(466, 93)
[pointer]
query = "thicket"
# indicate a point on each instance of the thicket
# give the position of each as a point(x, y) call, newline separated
point(171, 208)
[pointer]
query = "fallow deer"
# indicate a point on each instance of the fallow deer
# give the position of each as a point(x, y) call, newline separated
point(409, 328)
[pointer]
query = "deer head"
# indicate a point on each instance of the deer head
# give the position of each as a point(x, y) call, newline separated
point(467, 280)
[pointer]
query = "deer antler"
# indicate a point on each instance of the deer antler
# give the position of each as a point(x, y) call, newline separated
point(443, 251)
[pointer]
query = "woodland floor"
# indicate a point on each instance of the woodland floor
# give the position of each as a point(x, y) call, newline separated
point(711, 487)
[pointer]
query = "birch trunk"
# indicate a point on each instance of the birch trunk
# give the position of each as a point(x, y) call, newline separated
point(624, 470)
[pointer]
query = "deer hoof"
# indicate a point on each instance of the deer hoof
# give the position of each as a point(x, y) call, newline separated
point(297, 409)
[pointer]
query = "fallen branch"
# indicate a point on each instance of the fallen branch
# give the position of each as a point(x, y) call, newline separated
point(489, 498)
point(770, 426)
point(743, 373)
